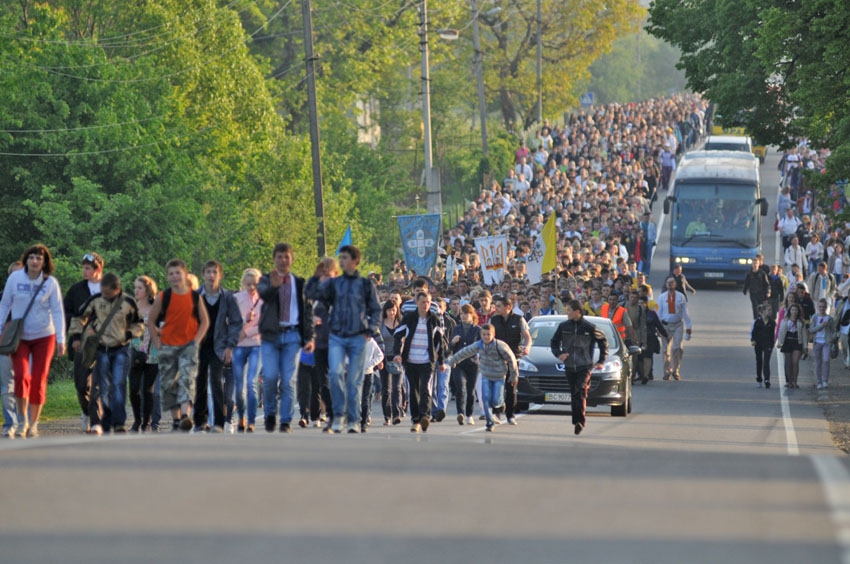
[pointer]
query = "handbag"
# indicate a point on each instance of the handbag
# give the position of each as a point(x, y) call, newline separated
point(11, 337)
point(90, 342)
point(138, 359)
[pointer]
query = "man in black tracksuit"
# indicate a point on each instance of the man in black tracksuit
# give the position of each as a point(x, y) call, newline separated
point(513, 330)
point(572, 343)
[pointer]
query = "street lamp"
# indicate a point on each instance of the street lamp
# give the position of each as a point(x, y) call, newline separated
point(434, 198)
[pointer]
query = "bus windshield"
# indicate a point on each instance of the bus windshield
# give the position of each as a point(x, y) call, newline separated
point(716, 215)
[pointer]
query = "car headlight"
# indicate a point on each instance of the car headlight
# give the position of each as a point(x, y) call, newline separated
point(526, 366)
point(685, 260)
point(744, 261)
point(611, 369)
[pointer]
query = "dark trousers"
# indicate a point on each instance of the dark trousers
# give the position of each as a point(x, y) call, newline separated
point(82, 382)
point(309, 392)
point(510, 398)
point(579, 385)
point(763, 362)
point(210, 369)
point(465, 379)
point(419, 377)
point(391, 402)
point(756, 300)
point(320, 373)
point(366, 398)
point(142, 380)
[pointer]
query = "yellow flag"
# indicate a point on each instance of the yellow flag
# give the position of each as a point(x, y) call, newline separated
point(550, 245)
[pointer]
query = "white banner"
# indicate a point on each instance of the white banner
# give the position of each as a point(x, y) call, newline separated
point(493, 252)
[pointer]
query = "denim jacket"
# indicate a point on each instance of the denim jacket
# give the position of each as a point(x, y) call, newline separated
point(353, 304)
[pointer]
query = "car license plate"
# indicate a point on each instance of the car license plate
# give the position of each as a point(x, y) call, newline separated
point(714, 275)
point(558, 397)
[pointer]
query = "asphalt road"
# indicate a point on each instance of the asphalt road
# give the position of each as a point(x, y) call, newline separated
point(709, 469)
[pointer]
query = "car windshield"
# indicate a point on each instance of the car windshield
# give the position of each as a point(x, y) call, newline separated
point(543, 329)
point(718, 146)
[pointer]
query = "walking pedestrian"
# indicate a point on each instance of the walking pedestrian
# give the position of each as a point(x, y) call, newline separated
point(42, 334)
point(761, 338)
point(246, 355)
point(495, 362)
point(113, 319)
point(354, 318)
point(78, 294)
point(286, 327)
point(673, 313)
point(418, 343)
point(823, 334)
point(572, 343)
point(144, 363)
point(512, 329)
point(793, 343)
point(7, 378)
point(465, 373)
point(177, 324)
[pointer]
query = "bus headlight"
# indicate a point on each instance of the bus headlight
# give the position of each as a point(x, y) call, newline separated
point(744, 261)
point(685, 260)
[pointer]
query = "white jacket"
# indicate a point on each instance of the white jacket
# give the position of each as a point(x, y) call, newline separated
point(47, 316)
point(796, 256)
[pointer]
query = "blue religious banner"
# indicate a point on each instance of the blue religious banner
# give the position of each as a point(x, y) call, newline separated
point(419, 237)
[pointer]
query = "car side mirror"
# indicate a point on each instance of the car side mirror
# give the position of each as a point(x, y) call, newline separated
point(634, 349)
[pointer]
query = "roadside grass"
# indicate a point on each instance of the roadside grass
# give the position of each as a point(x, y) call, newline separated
point(61, 401)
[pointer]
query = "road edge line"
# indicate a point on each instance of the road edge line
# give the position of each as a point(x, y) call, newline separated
point(835, 481)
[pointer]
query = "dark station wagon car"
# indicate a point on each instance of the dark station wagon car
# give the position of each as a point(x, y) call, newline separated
point(542, 379)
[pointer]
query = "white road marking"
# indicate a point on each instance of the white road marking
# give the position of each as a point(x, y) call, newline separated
point(836, 488)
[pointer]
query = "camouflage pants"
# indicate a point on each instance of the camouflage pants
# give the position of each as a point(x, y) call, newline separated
point(178, 369)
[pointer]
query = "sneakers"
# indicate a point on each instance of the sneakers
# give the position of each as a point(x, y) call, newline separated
point(241, 427)
point(302, 423)
point(249, 429)
point(416, 428)
point(767, 384)
point(186, 423)
point(440, 415)
point(496, 419)
point(285, 428)
point(317, 423)
point(512, 421)
point(397, 421)
point(336, 427)
point(352, 428)
point(579, 428)
point(425, 423)
point(825, 385)
point(490, 427)
point(85, 427)
point(270, 421)
point(32, 432)
point(819, 386)
point(758, 385)
point(218, 430)
point(228, 428)
point(470, 420)
point(363, 428)
point(97, 430)
point(134, 428)
point(677, 377)
point(9, 433)
point(22, 429)
point(460, 418)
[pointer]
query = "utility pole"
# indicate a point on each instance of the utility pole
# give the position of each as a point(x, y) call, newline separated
point(314, 127)
point(432, 180)
point(479, 75)
point(539, 63)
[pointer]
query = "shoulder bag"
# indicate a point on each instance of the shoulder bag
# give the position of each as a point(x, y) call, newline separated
point(11, 337)
point(90, 342)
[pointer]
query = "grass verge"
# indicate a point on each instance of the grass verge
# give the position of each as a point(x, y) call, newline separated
point(61, 401)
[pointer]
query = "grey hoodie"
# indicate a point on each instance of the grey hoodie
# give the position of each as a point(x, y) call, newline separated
point(494, 360)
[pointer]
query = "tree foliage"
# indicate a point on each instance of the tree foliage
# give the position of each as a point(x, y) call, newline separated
point(778, 68)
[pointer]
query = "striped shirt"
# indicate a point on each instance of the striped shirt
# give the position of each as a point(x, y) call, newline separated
point(419, 345)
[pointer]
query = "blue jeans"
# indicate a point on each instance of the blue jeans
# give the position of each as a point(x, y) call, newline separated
point(346, 385)
point(7, 388)
point(492, 394)
point(112, 367)
point(441, 396)
point(279, 361)
point(246, 380)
